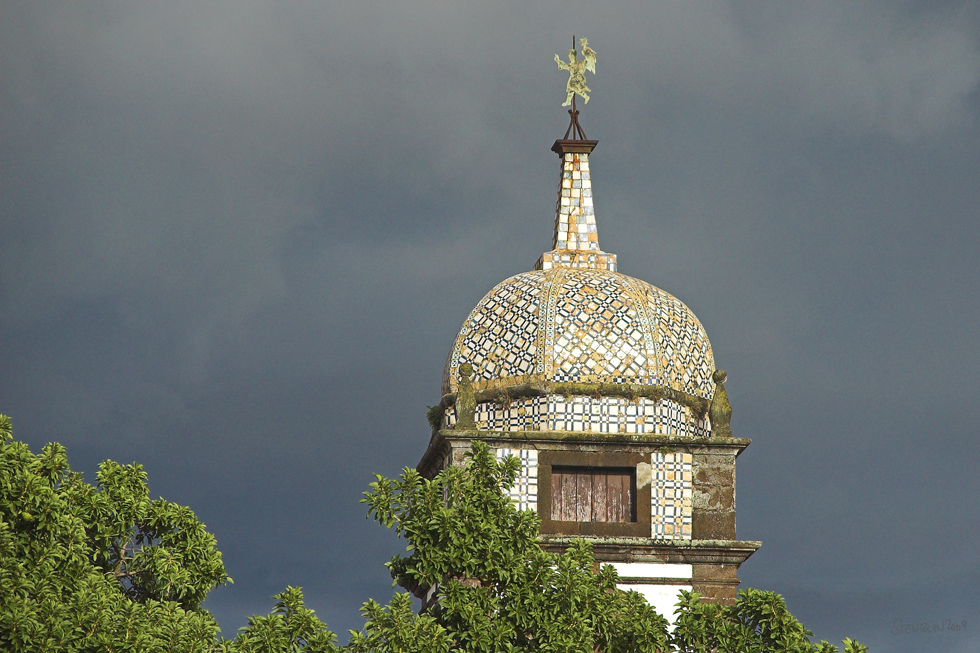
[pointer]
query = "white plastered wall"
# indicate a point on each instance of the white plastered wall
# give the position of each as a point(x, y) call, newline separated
point(642, 578)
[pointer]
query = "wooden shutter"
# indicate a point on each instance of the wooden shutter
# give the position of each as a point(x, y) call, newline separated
point(594, 494)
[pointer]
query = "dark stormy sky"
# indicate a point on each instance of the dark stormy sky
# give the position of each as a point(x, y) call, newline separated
point(237, 239)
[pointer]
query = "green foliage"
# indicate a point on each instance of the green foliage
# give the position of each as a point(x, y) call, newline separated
point(459, 524)
point(852, 646)
point(396, 627)
point(496, 589)
point(104, 568)
point(291, 627)
point(97, 568)
point(434, 415)
point(759, 621)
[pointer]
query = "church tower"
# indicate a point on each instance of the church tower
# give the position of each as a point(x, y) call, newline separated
point(605, 388)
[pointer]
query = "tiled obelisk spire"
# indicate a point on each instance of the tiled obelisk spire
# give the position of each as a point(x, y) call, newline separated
point(576, 241)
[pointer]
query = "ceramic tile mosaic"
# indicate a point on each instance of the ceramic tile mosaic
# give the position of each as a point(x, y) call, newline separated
point(500, 335)
point(585, 414)
point(576, 239)
point(524, 493)
point(575, 319)
point(587, 325)
point(616, 415)
point(684, 349)
point(596, 328)
point(575, 226)
point(576, 259)
point(671, 495)
point(520, 415)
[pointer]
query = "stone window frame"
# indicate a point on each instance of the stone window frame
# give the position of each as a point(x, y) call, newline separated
point(547, 459)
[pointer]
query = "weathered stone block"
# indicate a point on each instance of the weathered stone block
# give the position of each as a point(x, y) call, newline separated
point(711, 475)
point(713, 525)
point(722, 498)
point(715, 572)
point(724, 594)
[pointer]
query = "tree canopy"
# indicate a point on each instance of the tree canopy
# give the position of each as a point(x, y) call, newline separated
point(103, 567)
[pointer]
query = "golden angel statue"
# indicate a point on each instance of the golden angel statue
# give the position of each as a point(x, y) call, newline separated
point(576, 71)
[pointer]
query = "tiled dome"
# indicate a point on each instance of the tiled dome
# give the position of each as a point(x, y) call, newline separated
point(575, 319)
point(583, 325)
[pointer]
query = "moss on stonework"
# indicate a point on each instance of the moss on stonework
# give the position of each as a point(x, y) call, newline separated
point(720, 408)
point(633, 541)
point(679, 441)
point(505, 395)
point(465, 402)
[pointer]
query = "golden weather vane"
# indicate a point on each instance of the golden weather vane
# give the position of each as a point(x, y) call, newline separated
point(576, 71)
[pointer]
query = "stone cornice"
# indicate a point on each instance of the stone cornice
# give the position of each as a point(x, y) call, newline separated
point(636, 549)
point(503, 391)
point(548, 439)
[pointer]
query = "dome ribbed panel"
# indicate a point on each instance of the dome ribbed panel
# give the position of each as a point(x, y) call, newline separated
point(498, 338)
point(583, 325)
point(685, 352)
point(599, 330)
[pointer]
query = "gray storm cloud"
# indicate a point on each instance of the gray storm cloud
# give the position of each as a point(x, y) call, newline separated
point(218, 219)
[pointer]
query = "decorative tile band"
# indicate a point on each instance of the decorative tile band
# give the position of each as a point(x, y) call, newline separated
point(576, 259)
point(588, 414)
point(671, 495)
point(524, 493)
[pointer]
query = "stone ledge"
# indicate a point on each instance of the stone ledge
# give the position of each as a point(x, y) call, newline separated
point(640, 549)
point(549, 439)
point(593, 436)
point(651, 580)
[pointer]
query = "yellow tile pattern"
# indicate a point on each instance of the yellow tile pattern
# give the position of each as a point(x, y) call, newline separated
point(575, 226)
point(588, 415)
point(576, 240)
point(671, 496)
point(524, 493)
point(574, 318)
point(585, 325)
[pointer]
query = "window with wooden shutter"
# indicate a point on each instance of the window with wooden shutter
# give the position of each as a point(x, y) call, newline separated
point(593, 494)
